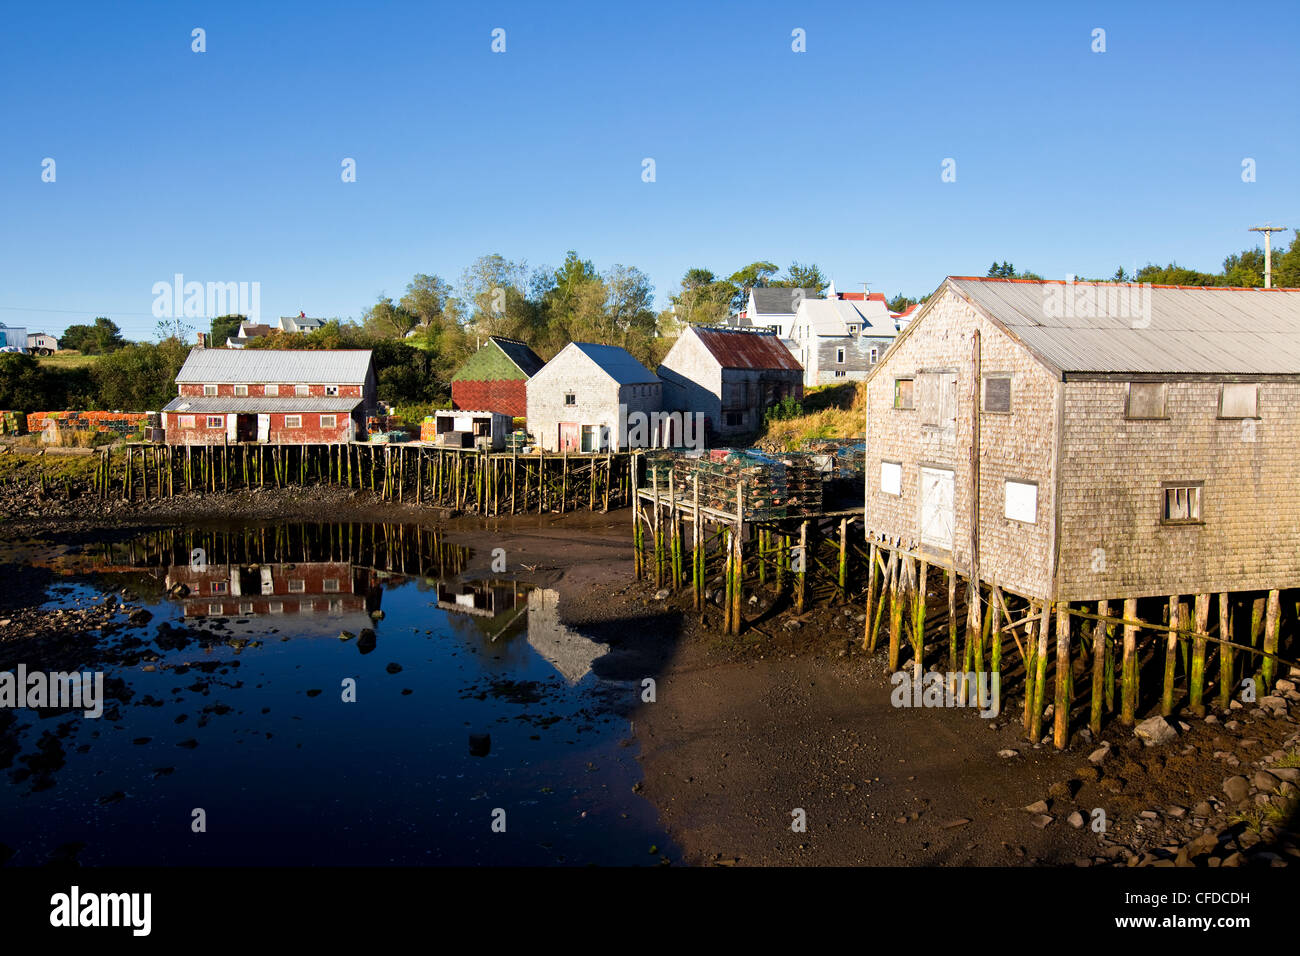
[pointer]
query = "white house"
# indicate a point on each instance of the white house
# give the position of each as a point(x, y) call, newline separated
point(583, 400)
point(840, 339)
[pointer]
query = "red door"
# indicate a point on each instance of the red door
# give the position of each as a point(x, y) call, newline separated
point(569, 436)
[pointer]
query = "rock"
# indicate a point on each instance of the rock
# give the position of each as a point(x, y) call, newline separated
point(480, 745)
point(1155, 731)
point(376, 615)
point(1075, 820)
point(1284, 685)
point(394, 668)
point(953, 824)
point(1042, 821)
point(366, 642)
point(1291, 774)
point(1265, 781)
point(139, 616)
point(1097, 756)
point(1202, 809)
point(1237, 788)
point(1007, 754)
point(1176, 811)
point(1039, 806)
point(662, 594)
point(1149, 815)
point(346, 635)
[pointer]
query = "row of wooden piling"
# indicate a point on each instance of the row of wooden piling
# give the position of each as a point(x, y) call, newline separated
point(989, 630)
point(489, 483)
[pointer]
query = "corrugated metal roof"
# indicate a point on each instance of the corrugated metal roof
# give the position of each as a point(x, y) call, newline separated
point(833, 317)
point(780, 301)
point(1146, 329)
point(617, 363)
point(215, 404)
point(734, 348)
point(301, 366)
point(529, 362)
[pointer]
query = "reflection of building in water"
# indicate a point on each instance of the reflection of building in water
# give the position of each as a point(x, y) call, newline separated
point(567, 651)
point(322, 587)
point(498, 603)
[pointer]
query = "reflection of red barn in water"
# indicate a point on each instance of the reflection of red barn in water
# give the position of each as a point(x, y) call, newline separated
point(321, 587)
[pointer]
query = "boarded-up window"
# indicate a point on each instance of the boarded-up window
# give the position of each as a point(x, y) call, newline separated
point(997, 393)
point(891, 477)
point(1182, 503)
point(1021, 501)
point(293, 421)
point(937, 399)
point(241, 390)
point(1239, 401)
point(1146, 400)
point(186, 421)
point(302, 390)
point(271, 390)
point(903, 393)
point(329, 421)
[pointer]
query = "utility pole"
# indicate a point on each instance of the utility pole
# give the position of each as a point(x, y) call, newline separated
point(1268, 250)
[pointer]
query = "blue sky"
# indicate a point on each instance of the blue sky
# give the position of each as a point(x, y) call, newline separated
point(225, 165)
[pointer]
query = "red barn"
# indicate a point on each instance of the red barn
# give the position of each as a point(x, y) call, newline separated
point(494, 379)
point(227, 396)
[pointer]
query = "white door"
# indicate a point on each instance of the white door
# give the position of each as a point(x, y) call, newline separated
point(268, 586)
point(263, 428)
point(232, 428)
point(936, 508)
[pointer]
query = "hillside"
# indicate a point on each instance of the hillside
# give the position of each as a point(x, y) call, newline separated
point(827, 411)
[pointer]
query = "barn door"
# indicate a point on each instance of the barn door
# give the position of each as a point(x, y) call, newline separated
point(232, 428)
point(263, 428)
point(937, 508)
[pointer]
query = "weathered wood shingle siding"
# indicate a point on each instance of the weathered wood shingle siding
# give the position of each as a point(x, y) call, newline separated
point(1113, 541)
point(597, 397)
point(1016, 446)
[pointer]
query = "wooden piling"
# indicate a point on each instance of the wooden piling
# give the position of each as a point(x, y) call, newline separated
point(1268, 668)
point(1196, 688)
point(1226, 678)
point(1171, 656)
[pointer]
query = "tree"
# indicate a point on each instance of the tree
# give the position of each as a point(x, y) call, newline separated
point(141, 376)
point(900, 302)
point(800, 276)
point(24, 384)
point(756, 275)
point(225, 327)
point(426, 298)
point(703, 299)
point(494, 292)
point(98, 339)
point(1006, 270)
point(387, 320)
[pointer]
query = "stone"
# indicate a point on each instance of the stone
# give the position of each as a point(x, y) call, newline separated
point(1075, 820)
point(1202, 809)
point(1038, 806)
point(1263, 780)
point(1042, 821)
point(1155, 731)
point(662, 593)
point(1097, 756)
point(1237, 788)
point(1007, 754)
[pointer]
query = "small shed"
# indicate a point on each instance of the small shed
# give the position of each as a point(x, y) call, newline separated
point(459, 428)
point(495, 377)
point(731, 376)
point(584, 399)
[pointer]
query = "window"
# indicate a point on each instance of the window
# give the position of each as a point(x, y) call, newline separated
point(329, 584)
point(276, 607)
point(329, 421)
point(1239, 401)
point(937, 399)
point(214, 609)
point(735, 419)
point(302, 391)
point(997, 394)
point(293, 421)
point(297, 586)
point(219, 587)
point(841, 374)
point(1146, 400)
point(209, 389)
point(875, 355)
point(216, 421)
point(1182, 502)
point(246, 607)
point(891, 477)
point(271, 391)
point(241, 391)
point(332, 391)
point(853, 330)
point(588, 438)
point(1021, 501)
point(185, 421)
point(839, 356)
point(570, 398)
point(903, 393)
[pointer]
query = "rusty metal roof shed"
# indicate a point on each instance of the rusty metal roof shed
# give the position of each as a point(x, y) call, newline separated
point(1116, 328)
point(747, 349)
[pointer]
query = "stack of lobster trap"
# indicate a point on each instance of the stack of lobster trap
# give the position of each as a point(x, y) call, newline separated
point(774, 486)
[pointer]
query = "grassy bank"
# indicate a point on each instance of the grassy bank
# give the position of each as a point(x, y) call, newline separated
point(828, 411)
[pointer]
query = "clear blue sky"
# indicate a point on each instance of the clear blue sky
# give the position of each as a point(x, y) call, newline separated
point(225, 165)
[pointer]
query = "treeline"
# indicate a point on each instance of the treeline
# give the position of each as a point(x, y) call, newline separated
point(137, 376)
